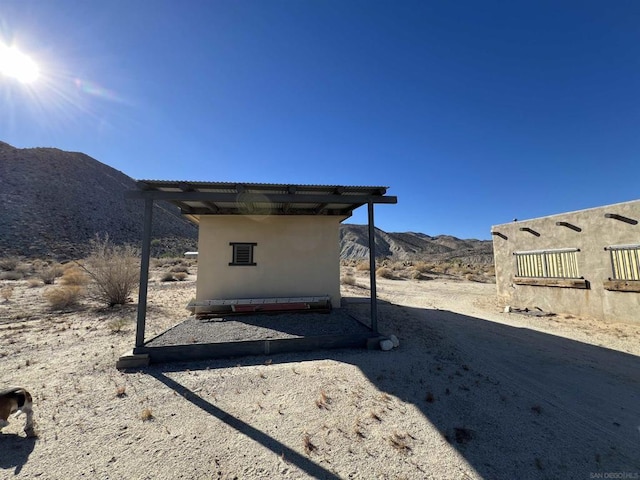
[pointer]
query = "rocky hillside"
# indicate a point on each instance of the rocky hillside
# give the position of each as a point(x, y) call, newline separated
point(52, 203)
point(354, 241)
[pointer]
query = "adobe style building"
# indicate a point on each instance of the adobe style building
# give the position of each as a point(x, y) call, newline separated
point(585, 263)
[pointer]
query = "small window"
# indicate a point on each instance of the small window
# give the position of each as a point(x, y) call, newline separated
point(625, 262)
point(558, 263)
point(242, 253)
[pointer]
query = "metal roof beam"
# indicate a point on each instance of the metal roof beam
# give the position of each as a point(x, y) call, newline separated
point(259, 197)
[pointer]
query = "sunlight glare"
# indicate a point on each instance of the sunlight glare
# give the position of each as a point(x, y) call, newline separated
point(15, 64)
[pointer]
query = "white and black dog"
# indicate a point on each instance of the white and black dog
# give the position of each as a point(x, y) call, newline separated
point(17, 400)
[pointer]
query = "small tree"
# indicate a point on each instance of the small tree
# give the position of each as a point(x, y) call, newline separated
point(114, 270)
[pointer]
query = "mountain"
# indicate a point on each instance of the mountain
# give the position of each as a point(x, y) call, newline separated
point(52, 203)
point(354, 243)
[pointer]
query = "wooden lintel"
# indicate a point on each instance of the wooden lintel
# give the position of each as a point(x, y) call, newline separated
point(622, 285)
point(552, 282)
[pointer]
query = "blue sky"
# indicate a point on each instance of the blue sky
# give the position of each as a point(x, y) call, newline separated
point(473, 113)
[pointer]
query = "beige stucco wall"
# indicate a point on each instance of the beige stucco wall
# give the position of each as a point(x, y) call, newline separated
point(295, 256)
point(593, 262)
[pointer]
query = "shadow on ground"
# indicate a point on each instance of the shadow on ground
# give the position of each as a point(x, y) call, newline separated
point(15, 451)
point(514, 402)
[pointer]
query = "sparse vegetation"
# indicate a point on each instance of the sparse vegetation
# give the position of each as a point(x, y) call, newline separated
point(11, 275)
point(74, 275)
point(118, 324)
point(348, 279)
point(167, 277)
point(9, 264)
point(64, 297)
point(49, 274)
point(400, 441)
point(180, 269)
point(384, 272)
point(308, 445)
point(362, 266)
point(6, 293)
point(114, 270)
point(146, 415)
point(323, 400)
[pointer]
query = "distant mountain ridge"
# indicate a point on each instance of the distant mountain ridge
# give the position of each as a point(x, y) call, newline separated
point(52, 203)
point(354, 244)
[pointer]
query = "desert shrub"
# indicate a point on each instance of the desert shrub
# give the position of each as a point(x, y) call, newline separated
point(416, 275)
point(9, 263)
point(167, 277)
point(362, 266)
point(67, 296)
point(384, 272)
point(117, 325)
point(34, 283)
point(180, 269)
point(49, 274)
point(114, 271)
point(74, 275)
point(348, 279)
point(6, 292)
point(423, 267)
point(180, 276)
point(11, 275)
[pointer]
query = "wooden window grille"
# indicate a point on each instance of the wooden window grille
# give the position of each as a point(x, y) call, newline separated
point(625, 262)
point(557, 263)
point(242, 254)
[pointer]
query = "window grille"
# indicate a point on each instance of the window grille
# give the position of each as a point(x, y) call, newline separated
point(242, 254)
point(625, 262)
point(557, 263)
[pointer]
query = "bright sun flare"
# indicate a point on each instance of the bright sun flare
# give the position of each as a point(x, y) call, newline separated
point(15, 64)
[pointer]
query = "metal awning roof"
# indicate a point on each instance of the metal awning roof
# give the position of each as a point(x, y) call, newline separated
point(230, 198)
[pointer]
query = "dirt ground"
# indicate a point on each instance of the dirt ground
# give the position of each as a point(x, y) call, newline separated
point(471, 392)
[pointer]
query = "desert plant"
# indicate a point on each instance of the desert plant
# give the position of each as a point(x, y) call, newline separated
point(67, 296)
point(114, 270)
point(49, 274)
point(348, 279)
point(384, 272)
point(180, 269)
point(167, 277)
point(117, 325)
point(11, 275)
point(6, 293)
point(74, 275)
point(9, 263)
point(308, 445)
point(146, 415)
point(180, 276)
point(362, 266)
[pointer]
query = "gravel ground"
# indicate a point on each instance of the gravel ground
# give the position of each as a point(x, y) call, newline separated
point(259, 327)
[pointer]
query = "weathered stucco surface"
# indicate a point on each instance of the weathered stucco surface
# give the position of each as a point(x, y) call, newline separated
point(295, 256)
point(594, 263)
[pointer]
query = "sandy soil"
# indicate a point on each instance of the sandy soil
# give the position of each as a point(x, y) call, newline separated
point(470, 393)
